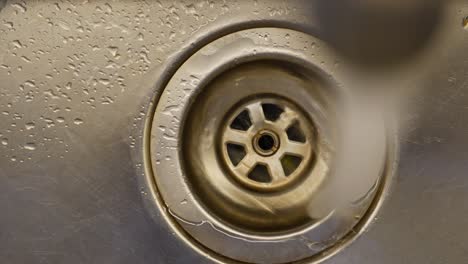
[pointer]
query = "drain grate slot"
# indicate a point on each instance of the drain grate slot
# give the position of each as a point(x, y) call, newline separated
point(236, 153)
point(290, 163)
point(260, 174)
point(242, 121)
point(272, 111)
point(295, 133)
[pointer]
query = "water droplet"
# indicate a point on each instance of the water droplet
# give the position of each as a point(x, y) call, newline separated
point(4, 141)
point(78, 121)
point(144, 56)
point(30, 84)
point(104, 81)
point(26, 59)
point(30, 146)
point(9, 25)
point(113, 50)
point(30, 125)
point(190, 9)
point(20, 7)
point(107, 100)
point(108, 8)
point(17, 44)
point(63, 25)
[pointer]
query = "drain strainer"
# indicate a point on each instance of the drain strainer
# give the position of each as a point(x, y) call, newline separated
point(243, 151)
point(267, 143)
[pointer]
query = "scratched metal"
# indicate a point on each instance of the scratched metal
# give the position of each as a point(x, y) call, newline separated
point(77, 79)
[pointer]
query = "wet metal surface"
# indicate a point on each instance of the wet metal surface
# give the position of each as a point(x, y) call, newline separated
point(77, 80)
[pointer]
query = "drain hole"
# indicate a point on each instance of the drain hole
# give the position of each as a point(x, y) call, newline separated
point(295, 133)
point(271, 111)
point(266, 142)
point(290, 163)
point(260, 174)
point(242, 121)
point(236, 153)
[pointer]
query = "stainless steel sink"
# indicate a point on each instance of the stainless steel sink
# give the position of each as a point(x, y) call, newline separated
point(81, 86)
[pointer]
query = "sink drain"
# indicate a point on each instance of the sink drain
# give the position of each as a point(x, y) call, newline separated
point(243, 150)
point(267, 143)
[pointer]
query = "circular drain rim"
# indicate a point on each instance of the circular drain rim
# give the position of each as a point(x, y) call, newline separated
point(251, 243)
point(210, 181)
point(283, 148)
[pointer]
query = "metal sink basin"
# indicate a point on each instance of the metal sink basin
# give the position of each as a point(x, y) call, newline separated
point(89, 164)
